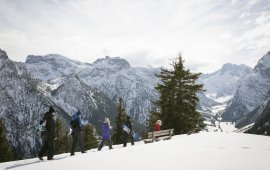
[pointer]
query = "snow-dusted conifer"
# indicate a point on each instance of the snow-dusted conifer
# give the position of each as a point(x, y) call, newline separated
point(89, 138)
point(5, 149)
point(178, 98)
point(119, 120)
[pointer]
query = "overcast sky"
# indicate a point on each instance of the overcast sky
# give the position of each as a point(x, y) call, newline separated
point(208, 33)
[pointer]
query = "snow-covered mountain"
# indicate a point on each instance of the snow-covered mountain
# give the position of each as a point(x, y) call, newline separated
point(262, 119)
point(223, 83)
point(22, 106)
point(27, 89)
point(252, 92)
point(220, 88)
point(116, 78)
point(112, 76)
point(72, 94)
point(52, 66)
point(206, 151)
point(25, 99)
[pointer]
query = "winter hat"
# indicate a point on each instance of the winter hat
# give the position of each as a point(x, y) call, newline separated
point(107, 120)
point(79, 112)
point(51, 109)
point(159, 122)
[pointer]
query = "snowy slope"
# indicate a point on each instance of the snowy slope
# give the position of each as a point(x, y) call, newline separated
point(252, 92)
point(207, 151)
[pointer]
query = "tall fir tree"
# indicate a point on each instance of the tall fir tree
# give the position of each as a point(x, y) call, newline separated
point(63, 140)
point(118, 137)
point(19, 153)
point(67, 141)
point(178, 98)
point(5, 148)
point(153, 117)
point(89, 138)
point(59, 141)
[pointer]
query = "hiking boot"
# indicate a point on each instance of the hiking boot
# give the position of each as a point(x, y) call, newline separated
point(40, 158)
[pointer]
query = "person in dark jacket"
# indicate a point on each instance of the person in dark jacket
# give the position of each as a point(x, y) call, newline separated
point(48, 135)
point(77, 127)
point(128, 131)
point(106, 137)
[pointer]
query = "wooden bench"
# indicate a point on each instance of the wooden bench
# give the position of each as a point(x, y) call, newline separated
point(159, 135)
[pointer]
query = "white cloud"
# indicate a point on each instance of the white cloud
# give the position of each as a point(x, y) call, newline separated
point(208, 32)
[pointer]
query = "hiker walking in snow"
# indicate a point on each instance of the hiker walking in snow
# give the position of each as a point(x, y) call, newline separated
point(77, 127)
point(128, 132)
point(48, 135)
point(157, 125)
point(106, 137)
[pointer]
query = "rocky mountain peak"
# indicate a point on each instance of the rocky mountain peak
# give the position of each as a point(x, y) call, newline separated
point(3, 55)
point(50, 58)
point(235, 69)
point(115, 62)
point(263, 66)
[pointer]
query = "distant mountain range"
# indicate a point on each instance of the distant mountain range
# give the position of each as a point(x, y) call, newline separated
point(234, 92)
point(220, 87)
point(112, 76)
point(252, 91)
point(224, 82)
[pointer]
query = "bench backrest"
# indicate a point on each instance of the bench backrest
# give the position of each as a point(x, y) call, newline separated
point(167, 132)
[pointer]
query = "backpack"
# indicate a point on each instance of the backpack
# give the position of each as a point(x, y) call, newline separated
point(73, 123)
point(126, 129)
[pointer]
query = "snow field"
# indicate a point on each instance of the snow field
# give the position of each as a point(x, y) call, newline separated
point(206, 150)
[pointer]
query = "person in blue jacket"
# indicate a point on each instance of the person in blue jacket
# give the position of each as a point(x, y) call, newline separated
point(77, 127)
point(106, 137)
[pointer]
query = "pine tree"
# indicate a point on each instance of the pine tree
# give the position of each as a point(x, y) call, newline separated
point(63, 140)
point(66, 142)
point(119, 120)
point(5, 149)
point(58, 141)
point(19, 153)
point(153, 117)
point(89, 138)
point(178, 98)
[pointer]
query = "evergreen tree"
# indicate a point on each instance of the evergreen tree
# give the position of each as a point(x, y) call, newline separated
point(19, 153)
point(66, 142)
point(89, 138)
point(119, 120)
point(153, 117)
point(178, 98)
point(59, 145)
point(63, 140)
point(5, 149)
